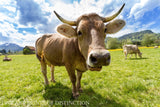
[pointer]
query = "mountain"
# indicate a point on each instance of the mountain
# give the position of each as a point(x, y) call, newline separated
point(137, 36)
point(11, 46)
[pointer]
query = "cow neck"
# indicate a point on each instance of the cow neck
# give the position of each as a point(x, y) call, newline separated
point(77, 48)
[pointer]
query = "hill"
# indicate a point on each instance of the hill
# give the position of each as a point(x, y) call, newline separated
point(11, 46)
point(137, 36)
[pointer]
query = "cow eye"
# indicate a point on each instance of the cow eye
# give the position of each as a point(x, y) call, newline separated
point(105, 30)
point(79, 33)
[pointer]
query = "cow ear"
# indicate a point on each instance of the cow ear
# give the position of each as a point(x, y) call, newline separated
point(115, 26)
point(66, 30)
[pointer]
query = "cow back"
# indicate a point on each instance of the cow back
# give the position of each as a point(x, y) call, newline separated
point(56, 49)
point(131, 49)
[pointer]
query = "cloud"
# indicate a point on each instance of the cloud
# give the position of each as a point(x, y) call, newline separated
point(10, 8)
point(7, 2)
point(140, 8)
point(20, 17)
point(120, 33)
point(3, 39)
point(10, 34)
point(30, 13)
point(74, 10)
point(39, 13)
point(29, 39)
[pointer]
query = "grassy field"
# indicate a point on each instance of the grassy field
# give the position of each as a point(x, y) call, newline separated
point(125, 83)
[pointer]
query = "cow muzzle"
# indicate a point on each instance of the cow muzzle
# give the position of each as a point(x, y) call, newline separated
point(98, 58)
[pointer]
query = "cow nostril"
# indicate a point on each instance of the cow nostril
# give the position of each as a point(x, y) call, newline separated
point(109, 57)
point(93, 59)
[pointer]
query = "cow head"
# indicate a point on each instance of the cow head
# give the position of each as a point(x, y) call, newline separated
point(140, 54)
point(91, 32)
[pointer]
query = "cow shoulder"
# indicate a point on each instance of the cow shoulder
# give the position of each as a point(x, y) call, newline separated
point(70, 50)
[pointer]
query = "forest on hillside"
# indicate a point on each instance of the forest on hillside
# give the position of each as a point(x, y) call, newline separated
point(142, 38)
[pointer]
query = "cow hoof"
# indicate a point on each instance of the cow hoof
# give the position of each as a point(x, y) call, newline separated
point(80, 90)
point(75, 95)
point(46, 83)
point(53, 81)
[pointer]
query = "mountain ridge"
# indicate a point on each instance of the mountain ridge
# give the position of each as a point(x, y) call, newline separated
point(11, 46)
point(136, 35)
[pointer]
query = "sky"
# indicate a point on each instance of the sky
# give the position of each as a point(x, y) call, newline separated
point(23, 21)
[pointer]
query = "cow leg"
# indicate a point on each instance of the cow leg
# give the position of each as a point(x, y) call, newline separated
point(125, 55)
point(130, 55)
point(71, 73)
point(79, 76)
point(44, 72)
point(52, 74)
point(135, 55)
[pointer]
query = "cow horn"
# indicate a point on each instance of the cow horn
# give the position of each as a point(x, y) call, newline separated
point(107, 19)
point(72, 23)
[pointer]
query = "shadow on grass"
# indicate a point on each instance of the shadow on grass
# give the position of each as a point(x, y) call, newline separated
point(61, 96)
point(137, 58)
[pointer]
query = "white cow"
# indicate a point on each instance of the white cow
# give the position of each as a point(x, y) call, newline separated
point(155, 46)
point(131, 49)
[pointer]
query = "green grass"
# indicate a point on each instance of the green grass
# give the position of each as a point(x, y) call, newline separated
point(125, 83)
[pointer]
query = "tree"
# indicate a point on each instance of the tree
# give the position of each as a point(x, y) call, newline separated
point(26, 51)
point(148, 40)
point(9, 52)
point(157, 42)
point(3, 51)
point(112, 43)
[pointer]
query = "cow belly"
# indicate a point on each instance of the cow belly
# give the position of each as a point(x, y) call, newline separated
point(54, 56)
point(132, 52)
point(51, 60)
point(54, 60)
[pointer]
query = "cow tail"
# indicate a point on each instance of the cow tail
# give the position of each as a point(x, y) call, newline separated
point(41, 58)
point(38, 57)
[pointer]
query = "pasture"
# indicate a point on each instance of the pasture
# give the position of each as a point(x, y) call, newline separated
point(125, 83)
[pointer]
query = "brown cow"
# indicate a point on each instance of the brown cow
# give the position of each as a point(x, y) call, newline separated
point(6, 58)
point(79, 48)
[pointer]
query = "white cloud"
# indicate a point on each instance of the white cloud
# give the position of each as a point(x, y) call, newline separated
point(6, 2)
point(66, 10)
point(5, 17)
point(30, 39)
point(24, 32)
point(10, 8)
point(71, 11)
point(143, 6)
point(156, 30)
point(146, 26)
point(6, 28)
point(121, 32)
point(9, 31)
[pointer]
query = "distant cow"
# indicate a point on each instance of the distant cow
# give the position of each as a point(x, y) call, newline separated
point(77, 48)
point(131, 49)
point(6, 58)
point(155, 46)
